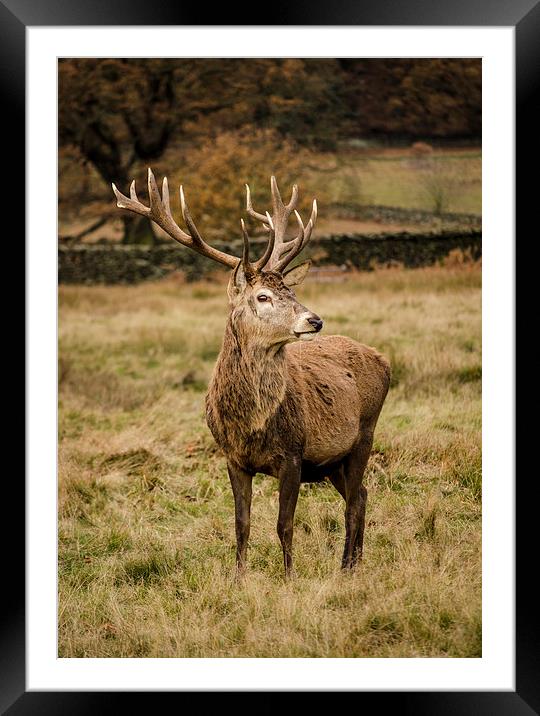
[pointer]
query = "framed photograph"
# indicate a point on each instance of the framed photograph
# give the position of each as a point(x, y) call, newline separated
point(129, 571)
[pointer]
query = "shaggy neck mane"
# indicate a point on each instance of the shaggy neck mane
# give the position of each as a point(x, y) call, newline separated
point(249, 381)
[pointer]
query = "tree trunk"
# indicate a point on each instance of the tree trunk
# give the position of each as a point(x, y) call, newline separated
point(138, 230)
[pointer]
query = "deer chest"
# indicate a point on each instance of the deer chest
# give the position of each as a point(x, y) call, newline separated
point(255, 446)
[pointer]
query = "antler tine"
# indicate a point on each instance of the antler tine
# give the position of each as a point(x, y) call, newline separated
point(165, 196)
point(248, 268)
point(132, 192)
point(157, 207)
point(159, 211)
point(133, 203)
point(310, 224)
point(250, 210)
point(282, 211)
point(292, 248)
point(188, 219)
point(294, 198)
point(277, 201)
point(306, 232)
point(261, 263)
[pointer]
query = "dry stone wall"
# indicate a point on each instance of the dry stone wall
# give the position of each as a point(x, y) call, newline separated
point(112, 263)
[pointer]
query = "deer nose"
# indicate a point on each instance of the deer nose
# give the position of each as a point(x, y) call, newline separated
point(316, 323)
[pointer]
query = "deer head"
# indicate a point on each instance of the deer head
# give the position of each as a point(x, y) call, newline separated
point(262, 301)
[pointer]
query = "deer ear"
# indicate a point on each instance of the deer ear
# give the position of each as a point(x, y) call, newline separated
point(237, 282)
point(296, 275)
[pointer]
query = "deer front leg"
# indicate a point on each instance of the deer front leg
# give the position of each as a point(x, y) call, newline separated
point(289, 486)
point(241, 482)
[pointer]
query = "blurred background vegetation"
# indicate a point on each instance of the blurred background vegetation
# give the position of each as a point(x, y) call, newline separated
point(353, 132)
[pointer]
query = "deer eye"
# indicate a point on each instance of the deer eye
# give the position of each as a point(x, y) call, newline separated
point(263, 297)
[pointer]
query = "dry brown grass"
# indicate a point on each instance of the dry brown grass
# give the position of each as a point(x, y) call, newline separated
point(146, 530)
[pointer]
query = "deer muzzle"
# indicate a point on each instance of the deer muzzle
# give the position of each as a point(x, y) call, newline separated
point(307, 326)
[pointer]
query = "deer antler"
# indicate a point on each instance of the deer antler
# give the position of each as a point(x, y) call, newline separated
point(282, 252)
point(251, 268)
point(159, 211)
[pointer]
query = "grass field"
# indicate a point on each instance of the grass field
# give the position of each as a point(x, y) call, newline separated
point(450, 180)
point(146, 526)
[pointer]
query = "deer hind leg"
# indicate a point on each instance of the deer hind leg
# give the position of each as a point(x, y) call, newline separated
point(356, 499)
point(241, 482)
point(289, 486)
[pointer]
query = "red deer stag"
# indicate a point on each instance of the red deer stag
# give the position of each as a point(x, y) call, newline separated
point(282, 400)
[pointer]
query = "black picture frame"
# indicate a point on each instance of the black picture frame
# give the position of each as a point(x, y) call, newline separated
point(15, 16)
